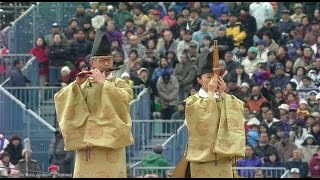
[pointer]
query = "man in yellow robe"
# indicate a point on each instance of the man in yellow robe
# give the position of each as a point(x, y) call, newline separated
point(216, 135)
point(93, 115)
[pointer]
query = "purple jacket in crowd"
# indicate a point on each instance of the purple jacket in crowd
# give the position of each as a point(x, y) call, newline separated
point(255, 161)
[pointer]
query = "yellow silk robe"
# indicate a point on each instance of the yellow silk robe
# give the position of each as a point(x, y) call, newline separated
point(216, 136)
point(95, 122)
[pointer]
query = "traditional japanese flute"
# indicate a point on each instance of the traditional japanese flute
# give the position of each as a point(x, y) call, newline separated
point(108, 70)
point(215, 58)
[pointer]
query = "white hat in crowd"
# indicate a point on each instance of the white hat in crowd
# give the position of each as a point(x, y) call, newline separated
point(245, 85)
point(315, 114)
point(318, 96)
point(313, 91)
point(65, 69)
point(253, 121)
point(295, 170)
point(125, 74)
point(302, 101)
point(284, 107)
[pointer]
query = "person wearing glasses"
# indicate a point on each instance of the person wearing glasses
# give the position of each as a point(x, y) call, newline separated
point(93, 116)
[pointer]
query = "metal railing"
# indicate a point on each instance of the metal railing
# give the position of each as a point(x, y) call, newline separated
point(268, 172)
point(160, 172)
point(16, 118)
point(286, 174)
point(174, 147)
point(40, 99)
point(7, 65)
point(166, 172)
point(147, 134)
point(37, 99)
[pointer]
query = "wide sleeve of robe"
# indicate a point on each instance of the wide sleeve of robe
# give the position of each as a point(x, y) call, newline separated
point(95, 115)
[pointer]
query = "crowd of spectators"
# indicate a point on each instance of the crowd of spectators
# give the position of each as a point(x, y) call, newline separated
point(269, 57)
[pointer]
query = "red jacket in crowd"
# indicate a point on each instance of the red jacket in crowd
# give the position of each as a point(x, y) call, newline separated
point(41, 57)
point(315, 165)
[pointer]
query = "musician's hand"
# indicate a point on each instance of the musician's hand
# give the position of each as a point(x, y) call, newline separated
point(82, 76)
point(221, 86)
point(98, 76)
point(213, 84)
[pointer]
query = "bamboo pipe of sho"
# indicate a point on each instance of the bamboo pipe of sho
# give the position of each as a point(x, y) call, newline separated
point(215, 58)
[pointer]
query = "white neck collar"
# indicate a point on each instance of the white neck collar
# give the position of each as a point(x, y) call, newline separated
point(203, 93)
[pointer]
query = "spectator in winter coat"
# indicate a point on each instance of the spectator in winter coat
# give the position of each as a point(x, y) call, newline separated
point(168, 89)
point(305, 25)
point(198, 36)
point(169, 44)
point(314, 164)
point(235, 29)
point(298, 133)
point(81, 15)
point(241, 76)
point(57, 155)
point(255, 100)
point(250, 160)
point(157, 22)
point(58, 54)
point(272, 62)
point(139, 18)
point(269, 26)
point(122, 15)
point(309, 148)
point(217, 8)
point(155, 159)
point(80, 47)
point(250, 63)
point(250, 24)
point(14, 148)
point(261, 74)
point(5, 165)
point(286, 24)
point(306, 87)
point(261, 11)
point(276, 101)
point(264, 149)
point(270, 42)
point(280, 80)
point(214, 24)
point(185, 73)
point(73, 24)
point(177, 26)
point(297, 161)
point(135, 45)
point(273, 161)
point(298, 13)
point(311, 37)
point(170, 19)
point(230, 63)
point(39, 52)
point(306, 61)
point(164, 67)
point(284, 147)
point(225, 43)
point(194, 22)
point(55, 29)
point(253, 133)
